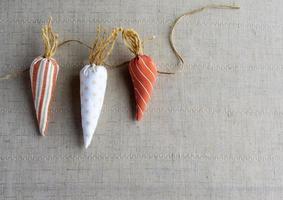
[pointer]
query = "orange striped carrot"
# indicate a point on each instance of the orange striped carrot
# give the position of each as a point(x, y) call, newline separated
point(143, 72)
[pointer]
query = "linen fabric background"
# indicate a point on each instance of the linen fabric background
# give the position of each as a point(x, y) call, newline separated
point(213, 131)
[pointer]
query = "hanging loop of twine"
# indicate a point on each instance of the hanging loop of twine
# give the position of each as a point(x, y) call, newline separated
point(50, 39)
point(190, 13)
point(103, 45)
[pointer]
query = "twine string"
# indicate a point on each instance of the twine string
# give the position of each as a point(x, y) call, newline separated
point(190, 13)
point(13, 74)
point(73, 40)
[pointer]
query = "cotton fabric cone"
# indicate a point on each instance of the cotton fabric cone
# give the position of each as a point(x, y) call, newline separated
point(43, 76)
point(93, 81)
point(143, 72)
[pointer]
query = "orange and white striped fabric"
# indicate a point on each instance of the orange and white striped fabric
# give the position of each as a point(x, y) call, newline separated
point(143, 72)
point(43, 76)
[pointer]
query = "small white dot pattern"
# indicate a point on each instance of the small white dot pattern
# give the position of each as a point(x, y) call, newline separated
point(93, 81)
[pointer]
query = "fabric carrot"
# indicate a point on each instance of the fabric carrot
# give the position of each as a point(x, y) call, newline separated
point(43, 75)
point(93, 80)
point(142, 70)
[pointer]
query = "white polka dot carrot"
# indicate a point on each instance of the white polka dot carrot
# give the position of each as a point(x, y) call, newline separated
point(93, 80)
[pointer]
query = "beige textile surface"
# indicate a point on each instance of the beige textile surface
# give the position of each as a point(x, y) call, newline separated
point(213, 131)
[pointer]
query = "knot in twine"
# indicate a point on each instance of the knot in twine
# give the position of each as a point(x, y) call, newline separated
point(132, 40)
point(50, 39)
point(103, 45)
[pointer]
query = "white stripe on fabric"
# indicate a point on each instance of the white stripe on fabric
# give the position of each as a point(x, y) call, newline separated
point(147, 68)
point(34, 62)
point(140, 96)
point(140, 108)
point(39, 81)
point(145, 77)
point(45, 104)
point(131, 71)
